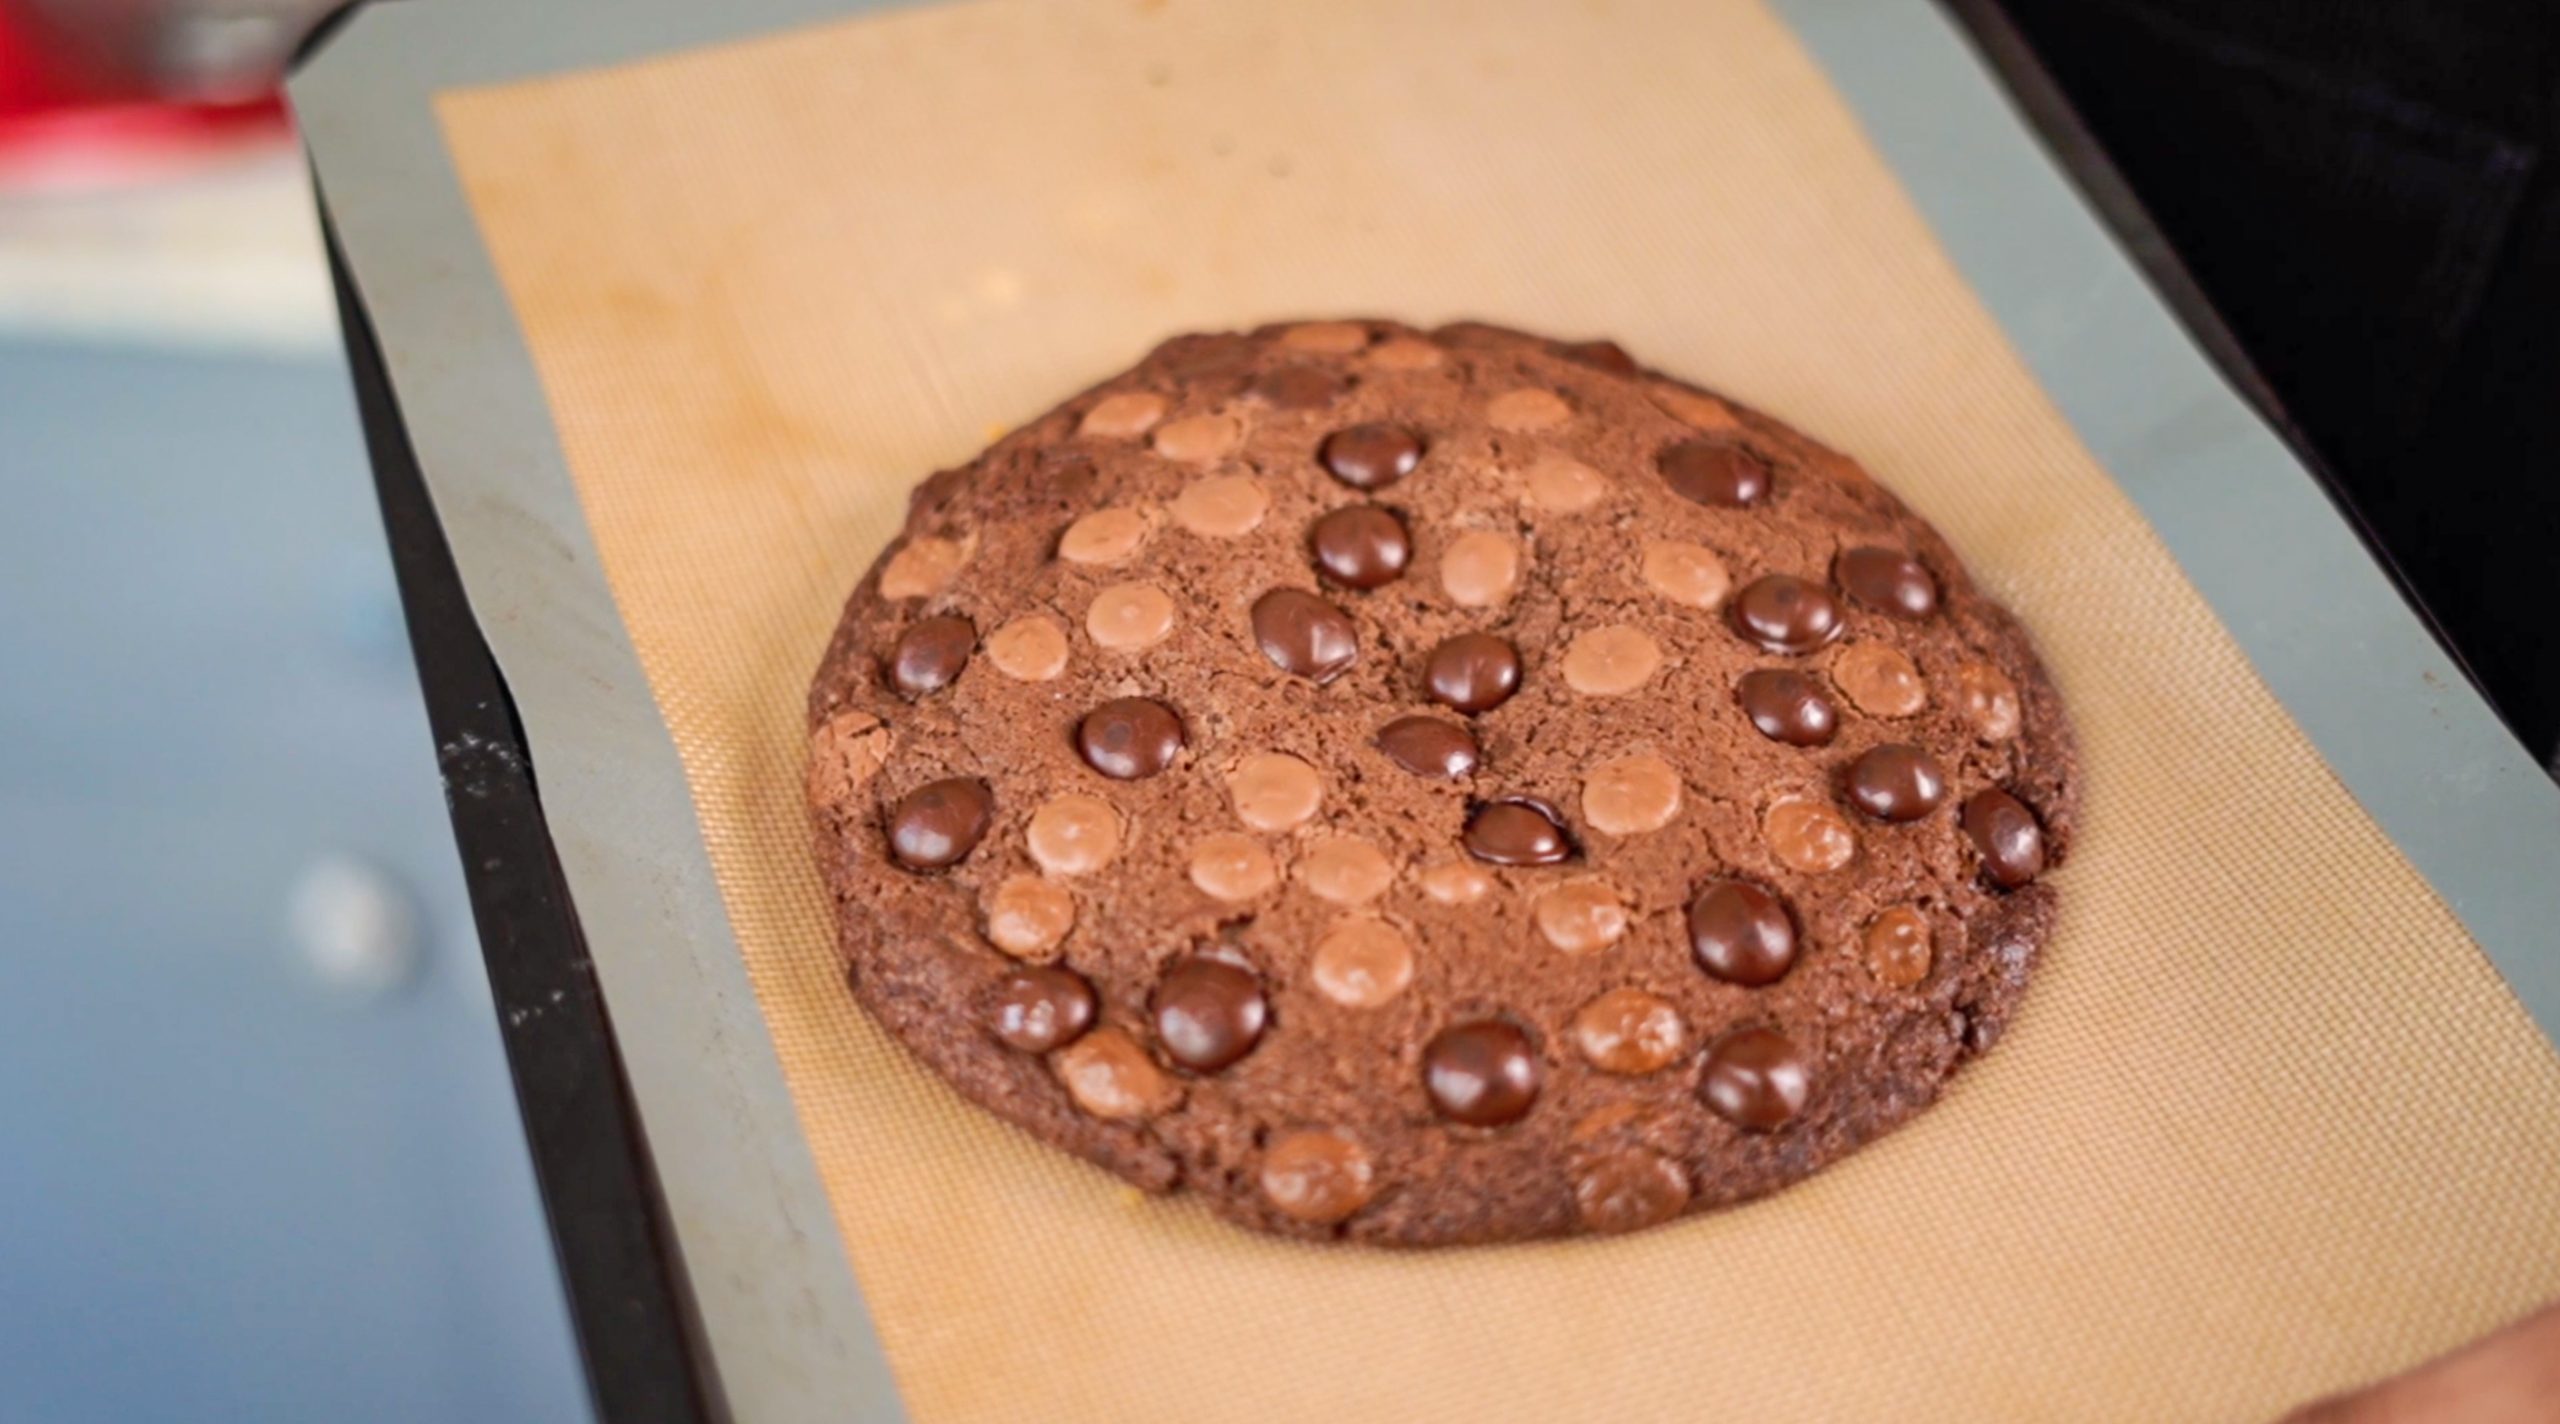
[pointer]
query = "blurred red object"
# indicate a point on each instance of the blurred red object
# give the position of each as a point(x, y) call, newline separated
point(66, 120)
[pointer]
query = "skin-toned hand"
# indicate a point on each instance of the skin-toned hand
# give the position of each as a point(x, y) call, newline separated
point(2512, 1377)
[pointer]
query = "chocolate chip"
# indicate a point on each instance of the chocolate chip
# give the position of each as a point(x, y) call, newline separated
point(1209, 1013)
point(1519, 831)
point(930, 654)
point(1304, 634)
point(1361, 545)
point(1741, 934)
point(1599, 355)
point(1041, 1008)
point(1427, 746)
point(939, 822)
point(1298, 387)
point(1756, 1079)
point(1787, 707)
point(1484, 1074)
point(1786, 614)
point(1887, 581)
point(1215, 354)
point(1714, 472)
point(1370, 456)
point(2006, 833)
point(1473, 672)
point(1128, 738)
point(1894, 782)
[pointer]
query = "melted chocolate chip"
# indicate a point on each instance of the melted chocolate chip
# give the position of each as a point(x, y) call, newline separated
point(1483, 1074)
point(930, 654)
point(1303, 634)
point(1041, 1008)
point(939, 822)
point(1370, 456)
point(1714, 472)
point(1741, 934)
point(1427, 746)
point(2005, 831)
point(1786, 614)
point(1209, 1013)
point(1787, 707)
point(1756, 1079)
point(1299, 387)
point(1519, 831)
point(1129, 738)
point(1361, 545)
point(1896, 783)
point(1473, 672)
point(1887, 581)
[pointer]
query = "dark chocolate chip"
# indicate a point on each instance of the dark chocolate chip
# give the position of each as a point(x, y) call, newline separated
point(1362, 545)
point(1042, 1007)
point(1741, 934)
point(930, 654)
point(1303, 634)
point(939, 822)
point(1473, 672)
point(1209, 1013)
point(1756, 1079)
point(1519, 831)
point(1299, 387)
point(1787, 707)
point(1427, 746)
point(1894, 782)
point(1128, 738)
point(1371, 456)
point(1887, 581)
point(1786, 614)
point(1714, 472)
point(1483, 1074)
point(2006, 833)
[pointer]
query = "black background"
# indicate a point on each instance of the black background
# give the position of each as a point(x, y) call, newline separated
point(2366, 191)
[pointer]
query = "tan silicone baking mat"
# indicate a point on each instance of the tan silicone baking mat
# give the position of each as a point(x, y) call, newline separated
point(2268, 1124)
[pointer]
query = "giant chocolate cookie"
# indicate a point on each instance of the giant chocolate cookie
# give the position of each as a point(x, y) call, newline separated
point(1433, 787)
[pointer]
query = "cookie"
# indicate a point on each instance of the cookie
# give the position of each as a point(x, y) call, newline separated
point(1433, 787)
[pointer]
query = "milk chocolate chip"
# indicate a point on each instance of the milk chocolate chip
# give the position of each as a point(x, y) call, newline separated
point(1299, 387)
point(1628, 1191)
point(1316, 1176)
